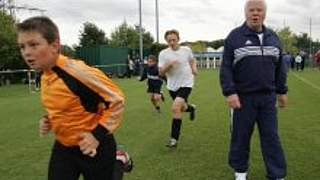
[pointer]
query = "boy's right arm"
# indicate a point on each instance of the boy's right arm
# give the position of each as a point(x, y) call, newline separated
point(167, 66)
point(144, 74)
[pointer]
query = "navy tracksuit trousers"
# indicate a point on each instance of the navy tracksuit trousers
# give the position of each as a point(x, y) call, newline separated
point(257, 108)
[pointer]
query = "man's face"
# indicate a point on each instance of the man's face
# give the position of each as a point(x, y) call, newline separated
point(36, 51)
point(172, 40)
point(255, 14)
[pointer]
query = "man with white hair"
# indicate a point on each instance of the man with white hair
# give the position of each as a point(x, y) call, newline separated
point(252, 77)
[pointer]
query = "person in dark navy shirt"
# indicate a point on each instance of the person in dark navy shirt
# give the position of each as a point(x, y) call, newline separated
point(252, 77)
point(151, 72)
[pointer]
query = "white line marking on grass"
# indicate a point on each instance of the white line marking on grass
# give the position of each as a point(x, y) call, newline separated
point(306, 81)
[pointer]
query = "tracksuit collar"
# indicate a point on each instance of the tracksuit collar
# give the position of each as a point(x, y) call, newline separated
point(248, 31)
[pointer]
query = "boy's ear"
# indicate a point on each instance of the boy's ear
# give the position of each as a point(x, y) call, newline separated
point(56, 45)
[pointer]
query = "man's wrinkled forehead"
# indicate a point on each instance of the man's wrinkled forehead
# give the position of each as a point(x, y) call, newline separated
point(250, 3)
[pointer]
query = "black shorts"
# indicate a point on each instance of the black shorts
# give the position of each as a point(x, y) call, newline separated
point(154, 89)
point(182, 92)
point(67, 163)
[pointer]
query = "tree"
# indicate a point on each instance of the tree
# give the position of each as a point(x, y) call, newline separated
point(92, 35)
point(124, 36)
point(315, 46)
point(216, 44)
point(288, 40)
point(9, 52)
point(156, 48)
point(68, 51)
point(303, 42)
point(128, 36)
point(146, 37)
point(198, 46)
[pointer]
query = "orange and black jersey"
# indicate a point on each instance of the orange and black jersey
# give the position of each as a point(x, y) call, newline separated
point(80, 98)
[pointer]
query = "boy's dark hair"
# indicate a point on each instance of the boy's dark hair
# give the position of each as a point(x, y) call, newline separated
point(172, 31)
point(153, 58)
point(41, 24)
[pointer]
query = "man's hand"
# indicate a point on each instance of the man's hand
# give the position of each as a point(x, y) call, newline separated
point(282, 100)
point(44, 126)
point(88, 144)
point(233, 101)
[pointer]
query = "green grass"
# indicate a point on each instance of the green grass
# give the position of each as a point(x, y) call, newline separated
point(203, 148)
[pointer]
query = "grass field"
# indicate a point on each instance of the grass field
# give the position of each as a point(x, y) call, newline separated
point(203, 148)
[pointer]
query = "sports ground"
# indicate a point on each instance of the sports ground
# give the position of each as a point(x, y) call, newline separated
point(203, 148)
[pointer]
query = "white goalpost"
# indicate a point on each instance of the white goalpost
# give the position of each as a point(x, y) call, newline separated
point(5, 78)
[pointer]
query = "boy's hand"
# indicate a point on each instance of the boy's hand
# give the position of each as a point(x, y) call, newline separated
point(88, 144)
point(44, 126)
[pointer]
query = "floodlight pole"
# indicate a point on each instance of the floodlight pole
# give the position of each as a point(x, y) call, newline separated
point(310, 45)
point(140, 31)
point(157, 21)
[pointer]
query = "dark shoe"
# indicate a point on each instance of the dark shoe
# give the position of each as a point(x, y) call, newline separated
point(127, 161)
point(158, 109)
point(192, 112)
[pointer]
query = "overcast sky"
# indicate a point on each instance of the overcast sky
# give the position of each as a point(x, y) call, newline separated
point(195, 19)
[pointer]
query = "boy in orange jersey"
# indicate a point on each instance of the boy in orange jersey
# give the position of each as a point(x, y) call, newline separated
point(84, 107)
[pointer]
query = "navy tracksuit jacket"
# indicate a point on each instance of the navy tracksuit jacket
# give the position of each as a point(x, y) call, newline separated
point(154, 80)
point(256, 72)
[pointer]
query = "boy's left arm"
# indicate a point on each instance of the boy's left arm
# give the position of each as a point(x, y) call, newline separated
point(111, 93)
point(112, 106)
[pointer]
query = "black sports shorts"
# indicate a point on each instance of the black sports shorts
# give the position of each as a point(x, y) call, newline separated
point(182, 92)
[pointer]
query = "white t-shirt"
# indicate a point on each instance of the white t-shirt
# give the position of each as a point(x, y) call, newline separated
point(298, 59)
point(260, 35)
point(181, 74)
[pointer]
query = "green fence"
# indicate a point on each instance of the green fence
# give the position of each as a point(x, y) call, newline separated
point(110, 60)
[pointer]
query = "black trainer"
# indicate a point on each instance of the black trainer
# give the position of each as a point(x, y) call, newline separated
point(192, 112)
point(158, 109)
point(126, 159)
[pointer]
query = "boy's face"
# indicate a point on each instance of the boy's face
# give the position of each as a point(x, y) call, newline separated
point(151, 62)
point(36, 51)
